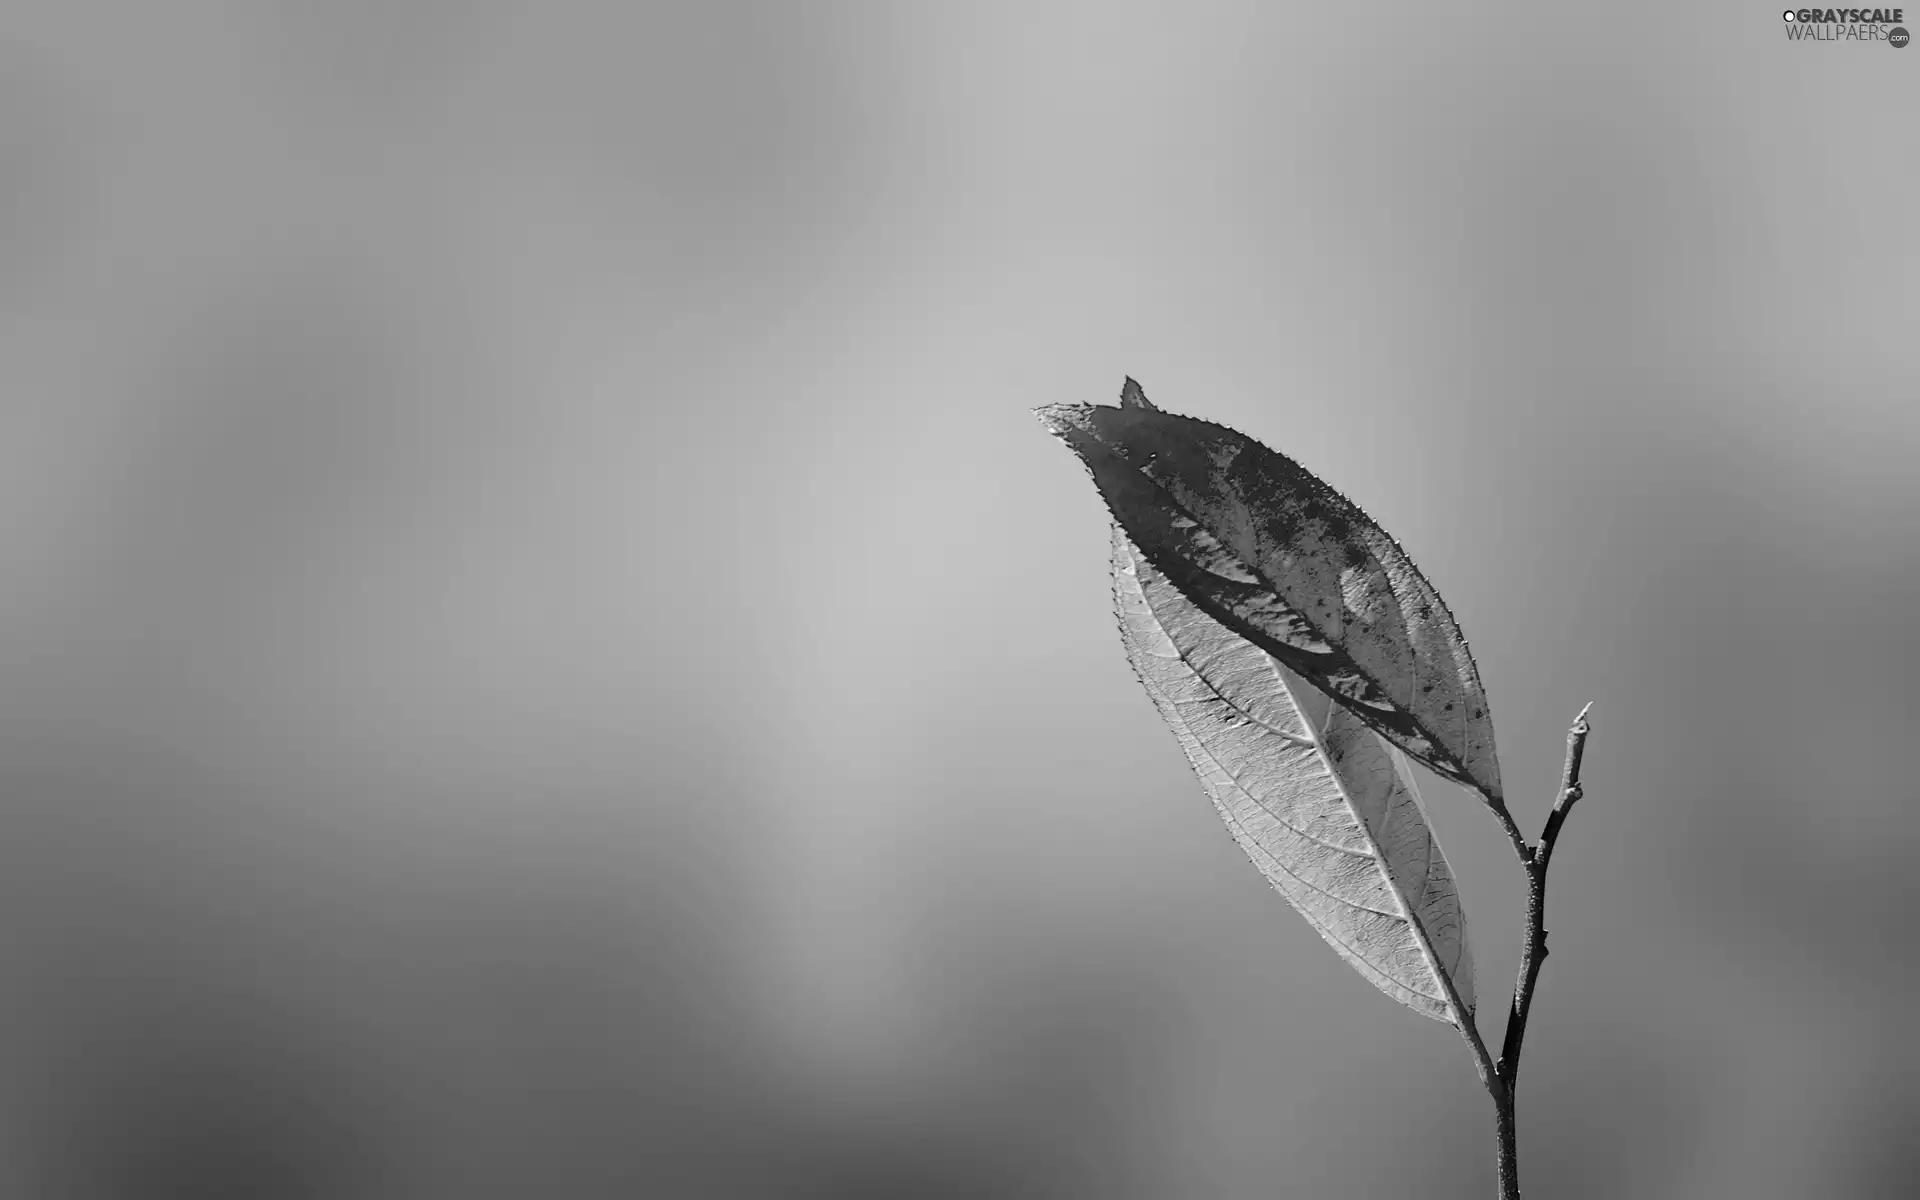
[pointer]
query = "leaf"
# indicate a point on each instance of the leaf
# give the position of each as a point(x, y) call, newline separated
point(1271, 552)
point(1327, 809)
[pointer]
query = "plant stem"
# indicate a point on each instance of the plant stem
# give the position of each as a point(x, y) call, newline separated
point(1505, 1074)
point(1509, 1146)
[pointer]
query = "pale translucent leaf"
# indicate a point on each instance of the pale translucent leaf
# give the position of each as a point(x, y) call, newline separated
point(1281, 559)
point(1326, 808)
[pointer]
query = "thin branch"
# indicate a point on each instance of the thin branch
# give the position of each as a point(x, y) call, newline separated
point(1535, 951)
point(1506, 1072)
point(1569, 788)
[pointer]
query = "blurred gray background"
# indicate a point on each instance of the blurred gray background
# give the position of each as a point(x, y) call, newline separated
point(542, 653)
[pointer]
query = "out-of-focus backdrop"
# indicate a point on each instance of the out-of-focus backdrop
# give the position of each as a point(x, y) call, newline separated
point(542, 653)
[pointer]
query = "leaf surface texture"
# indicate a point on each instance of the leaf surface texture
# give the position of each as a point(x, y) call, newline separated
point(1276, 556)
point(1327, 809)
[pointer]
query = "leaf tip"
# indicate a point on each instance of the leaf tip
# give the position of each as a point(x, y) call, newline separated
point(1062, 420)
point(1050, 416)
point(1132, 395)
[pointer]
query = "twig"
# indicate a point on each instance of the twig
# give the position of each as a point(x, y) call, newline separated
point(1506, 1072)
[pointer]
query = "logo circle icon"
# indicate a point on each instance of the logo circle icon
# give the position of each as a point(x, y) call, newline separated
point(1787, 15)
point(1897, 37)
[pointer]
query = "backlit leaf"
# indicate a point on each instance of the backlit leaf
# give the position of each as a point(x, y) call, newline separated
point(1326, 808)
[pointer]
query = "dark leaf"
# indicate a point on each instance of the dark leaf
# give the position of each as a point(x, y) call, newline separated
point(1279, 558)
